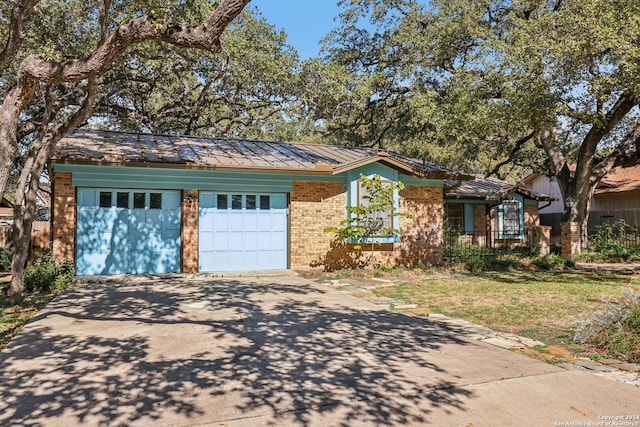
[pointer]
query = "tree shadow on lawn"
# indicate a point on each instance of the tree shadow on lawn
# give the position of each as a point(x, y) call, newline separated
point(244, 348)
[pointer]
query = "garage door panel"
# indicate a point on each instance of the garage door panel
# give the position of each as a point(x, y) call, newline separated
point(131, 239)
point(244, 231)
point(236, 222)
point(171, 219)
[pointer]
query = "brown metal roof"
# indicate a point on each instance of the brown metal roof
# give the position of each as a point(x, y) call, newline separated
point(482, 188)
point(107, 147)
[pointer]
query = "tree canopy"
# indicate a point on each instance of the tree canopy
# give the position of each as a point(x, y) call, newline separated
point(501, 87)
point(55, 57)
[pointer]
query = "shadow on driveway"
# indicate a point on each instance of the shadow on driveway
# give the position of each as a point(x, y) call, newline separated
point(194, 350)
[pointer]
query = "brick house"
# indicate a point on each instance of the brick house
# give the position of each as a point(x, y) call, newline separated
point(489, 210)
point(142, 203)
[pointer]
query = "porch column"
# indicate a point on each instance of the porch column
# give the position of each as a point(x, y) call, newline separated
point(570, 234)
point(189, 234)
point(542, 238)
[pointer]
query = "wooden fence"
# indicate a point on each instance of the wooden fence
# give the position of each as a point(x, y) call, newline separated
point(40, 238)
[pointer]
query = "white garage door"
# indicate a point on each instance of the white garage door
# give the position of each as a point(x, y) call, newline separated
point(242, 231)
point(128, 231)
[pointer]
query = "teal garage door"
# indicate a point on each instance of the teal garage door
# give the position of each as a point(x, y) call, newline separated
point(127, 231)
point(242, 231)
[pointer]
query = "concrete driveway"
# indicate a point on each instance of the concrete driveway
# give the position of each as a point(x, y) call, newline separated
point(274, 351)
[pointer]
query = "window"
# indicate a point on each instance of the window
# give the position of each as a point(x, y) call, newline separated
point(105, 199)
point(122, 200)
point(265, 203)
point(378, 221)
point(511, 219)
point(454, 214)
point(155, 200)
point(222, 201)
point(250, 200)
point(236, 201)
point(139, 200)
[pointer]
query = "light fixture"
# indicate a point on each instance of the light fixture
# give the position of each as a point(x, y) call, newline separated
point(569, 202)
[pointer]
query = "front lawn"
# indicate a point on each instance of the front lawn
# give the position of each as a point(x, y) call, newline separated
point(540, 305)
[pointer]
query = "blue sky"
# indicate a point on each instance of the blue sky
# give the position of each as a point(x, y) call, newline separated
point(304, 21)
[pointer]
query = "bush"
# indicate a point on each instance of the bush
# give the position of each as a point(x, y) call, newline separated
point(617, 241)
point(550, 262)
point(5, 260)
point(616, 328)
point(47, 274)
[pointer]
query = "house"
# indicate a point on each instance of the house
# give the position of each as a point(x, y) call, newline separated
point(491, 211)
point(617, 196)
point(6, 211)
point(142, 203)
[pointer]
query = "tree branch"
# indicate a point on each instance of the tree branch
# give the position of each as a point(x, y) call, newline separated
point(517, 147)
point(17, 33)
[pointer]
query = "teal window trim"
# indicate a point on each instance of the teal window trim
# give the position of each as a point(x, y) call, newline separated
point(468, 219)
point(509, 214)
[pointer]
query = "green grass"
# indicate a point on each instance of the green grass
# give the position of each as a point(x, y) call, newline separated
point(540, 305)
point(13, 317)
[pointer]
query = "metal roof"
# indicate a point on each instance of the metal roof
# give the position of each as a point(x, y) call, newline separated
point(483, 188)
point(108, 147)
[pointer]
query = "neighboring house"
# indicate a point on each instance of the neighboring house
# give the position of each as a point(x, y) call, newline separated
point(6, 211)
point(617, 196)
point(142, 203)
point(490, 211)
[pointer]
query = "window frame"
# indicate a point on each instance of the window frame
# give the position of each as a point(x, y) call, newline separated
point(389, 222)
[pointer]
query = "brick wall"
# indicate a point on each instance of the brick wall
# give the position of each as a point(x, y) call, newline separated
point(531, 217)
point(63, 213)
point(189, 232)
point(314, 207)
point(421, 237)
point(480, 218)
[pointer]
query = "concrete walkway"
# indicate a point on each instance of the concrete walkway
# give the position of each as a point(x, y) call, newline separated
point(274, 351)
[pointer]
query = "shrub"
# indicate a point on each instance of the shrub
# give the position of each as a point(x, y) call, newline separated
point(47, 274)
point(5, 260)
point(616, 328)
point(616, 241)
point(550, 262)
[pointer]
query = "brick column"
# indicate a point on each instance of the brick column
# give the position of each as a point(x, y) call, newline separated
point(542, 238)
point(63, 214)
point(570, 232)
point(189, 232)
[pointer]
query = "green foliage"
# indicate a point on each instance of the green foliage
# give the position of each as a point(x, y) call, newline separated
point(47, 274)
point(551, 262)
point(372, 218)
point(615, 329)
point(612, 242)
point(5, 260)
point(462, 82)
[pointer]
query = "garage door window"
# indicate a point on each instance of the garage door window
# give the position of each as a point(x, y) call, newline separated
point(123, 200)
point(138, 200)
point(265, 203)
point(222, 201)
point(105, 199)
point(251, 201)
point(155, 200)
point(236, 201)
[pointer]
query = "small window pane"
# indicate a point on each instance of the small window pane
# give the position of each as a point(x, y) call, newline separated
point(105, 199)
point(222, 201)
point(251, 201)
point(138, 200)
point(155, 200)
point(122, 200)
point(265, 203)
point(236, 201)
point(511, 219)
